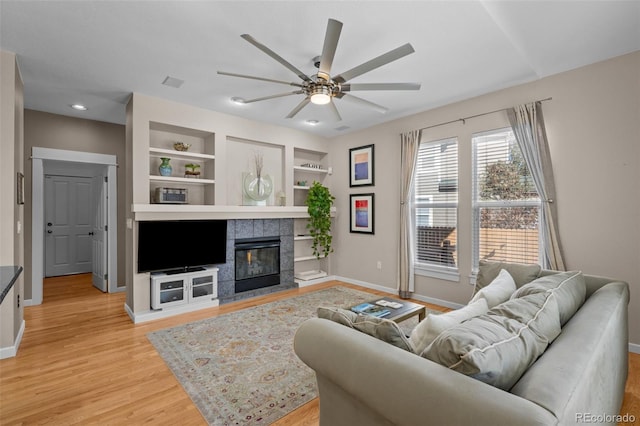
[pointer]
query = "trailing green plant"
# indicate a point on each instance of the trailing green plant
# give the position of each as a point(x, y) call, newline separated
point(319, 201)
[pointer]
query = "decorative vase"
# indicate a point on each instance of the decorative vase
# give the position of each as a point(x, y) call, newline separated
point(258, 188)
point(165, 168)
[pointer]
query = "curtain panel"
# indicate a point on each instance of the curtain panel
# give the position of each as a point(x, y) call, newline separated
point(409, 144)
point(528, 126)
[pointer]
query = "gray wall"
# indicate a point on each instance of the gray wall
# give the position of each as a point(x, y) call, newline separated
point(46, 130)
point(594, 133)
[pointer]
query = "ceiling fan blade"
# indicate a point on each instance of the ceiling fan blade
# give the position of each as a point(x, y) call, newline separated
point(379, 86)
point(331, 38)
point(280, 95)
point(334, 110)
point(299, 107)
point(374, 63)
point(363, 102)
point(231, 74)
point(275, 56)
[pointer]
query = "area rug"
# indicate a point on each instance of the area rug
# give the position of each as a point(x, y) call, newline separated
point(240, 368)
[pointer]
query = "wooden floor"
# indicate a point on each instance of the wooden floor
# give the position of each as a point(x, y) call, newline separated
point(82, 361)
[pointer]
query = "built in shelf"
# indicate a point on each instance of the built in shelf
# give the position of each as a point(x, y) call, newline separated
point(162, 152)
point(301, 187)
point(302, 237)
point(305, 258)
point(192, 181)
point(310, 169)
point(199, 212)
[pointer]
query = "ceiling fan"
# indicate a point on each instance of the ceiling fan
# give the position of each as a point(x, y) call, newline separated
point(322, 88)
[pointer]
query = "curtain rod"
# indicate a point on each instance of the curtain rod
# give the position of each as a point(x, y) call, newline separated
point(464, 119)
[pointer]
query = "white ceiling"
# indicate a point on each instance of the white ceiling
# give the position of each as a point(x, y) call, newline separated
point(99, 52)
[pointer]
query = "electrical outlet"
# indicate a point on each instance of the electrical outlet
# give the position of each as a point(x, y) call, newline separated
point(379, 264)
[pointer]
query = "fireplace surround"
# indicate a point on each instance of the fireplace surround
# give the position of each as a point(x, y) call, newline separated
point(256, 229)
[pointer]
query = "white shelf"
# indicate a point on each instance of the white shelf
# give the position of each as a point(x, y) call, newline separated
point(196, 156)
point(301, 187)
point(191, 181)
point(310, 169)
point(305, 258)
point(302, 237)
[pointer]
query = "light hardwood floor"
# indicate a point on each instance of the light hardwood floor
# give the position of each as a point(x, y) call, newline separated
point(82, 361)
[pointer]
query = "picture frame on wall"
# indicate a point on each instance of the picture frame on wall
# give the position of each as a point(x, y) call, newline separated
point(20, 188)
point(361, 166)
point(361, 213)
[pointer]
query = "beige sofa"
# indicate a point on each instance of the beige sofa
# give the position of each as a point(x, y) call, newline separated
point(580, 378)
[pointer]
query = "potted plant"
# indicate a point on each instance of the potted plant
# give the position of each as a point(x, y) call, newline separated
point(192, 170)
point(319, 201)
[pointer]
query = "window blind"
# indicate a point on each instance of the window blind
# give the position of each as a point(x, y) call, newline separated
point(436, 203)
point(506, 204)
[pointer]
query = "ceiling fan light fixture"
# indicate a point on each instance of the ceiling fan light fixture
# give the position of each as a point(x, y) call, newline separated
point(312, 122)
point(238, 101)
point(320, 95)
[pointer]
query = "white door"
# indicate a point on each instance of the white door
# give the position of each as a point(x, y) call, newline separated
point(68, 225)
point(99, 239)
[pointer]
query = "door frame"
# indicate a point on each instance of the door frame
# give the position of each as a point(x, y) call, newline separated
point(39, 158)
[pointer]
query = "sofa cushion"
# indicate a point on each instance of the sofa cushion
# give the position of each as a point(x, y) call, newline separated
point(498, 291)
point(520, 272)
point(569, 288)
point(426, 331)
point(498, 347)
point(380, 328)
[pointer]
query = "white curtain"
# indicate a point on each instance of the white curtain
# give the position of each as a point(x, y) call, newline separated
point(410, 143)
point(528, 126)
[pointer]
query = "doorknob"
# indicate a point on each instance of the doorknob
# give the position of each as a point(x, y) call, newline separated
point(49, 224)
point(49, 231)
point(90, 233)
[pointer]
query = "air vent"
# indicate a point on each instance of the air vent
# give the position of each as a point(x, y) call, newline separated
point(173, 82)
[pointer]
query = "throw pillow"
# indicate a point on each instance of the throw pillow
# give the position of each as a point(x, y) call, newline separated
point(498, 291)
point(426, 331)
point(520, 272)
point(498, 347)
point(569, 288)
point(380, 328)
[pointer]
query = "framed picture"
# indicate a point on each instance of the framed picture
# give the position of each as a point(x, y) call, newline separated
point(361, 166)
point(20, 188)
point(361, 211)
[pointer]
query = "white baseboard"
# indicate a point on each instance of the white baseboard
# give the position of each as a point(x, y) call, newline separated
point(27, 302)
point(394, 291)
point(11, 351)
point(168, 312)
point(367, 285)
point(634, 347)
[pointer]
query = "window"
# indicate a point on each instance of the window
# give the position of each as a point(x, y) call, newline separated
point(506, 204)
point(436, 207)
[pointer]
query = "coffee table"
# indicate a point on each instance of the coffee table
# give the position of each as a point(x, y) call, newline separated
point(406, 311)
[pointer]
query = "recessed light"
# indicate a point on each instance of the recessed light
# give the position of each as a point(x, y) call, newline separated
point(312, 122)
point(79, 107)
point(238, 101)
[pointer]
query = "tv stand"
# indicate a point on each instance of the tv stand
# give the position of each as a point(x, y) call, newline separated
point(180, 287)
point(185, 270)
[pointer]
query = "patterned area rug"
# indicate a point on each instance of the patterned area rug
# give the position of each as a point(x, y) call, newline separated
point(240, 368)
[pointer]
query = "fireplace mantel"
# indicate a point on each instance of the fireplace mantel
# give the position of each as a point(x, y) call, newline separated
point(199, 212)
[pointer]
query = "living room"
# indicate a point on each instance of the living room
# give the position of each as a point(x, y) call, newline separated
point(592, 127)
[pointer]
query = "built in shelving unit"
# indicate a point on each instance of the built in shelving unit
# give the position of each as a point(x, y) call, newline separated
point(201, 191)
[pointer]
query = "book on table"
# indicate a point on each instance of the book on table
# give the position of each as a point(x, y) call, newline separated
point(371, 309)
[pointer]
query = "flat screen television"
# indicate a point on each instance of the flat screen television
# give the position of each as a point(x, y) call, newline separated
point(181, 245)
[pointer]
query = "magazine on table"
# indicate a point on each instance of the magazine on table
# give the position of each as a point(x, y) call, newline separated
point(371, 309)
